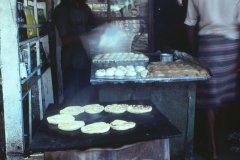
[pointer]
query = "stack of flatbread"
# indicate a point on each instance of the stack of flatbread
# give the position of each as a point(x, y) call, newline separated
point(65, 122)
point(173, 69)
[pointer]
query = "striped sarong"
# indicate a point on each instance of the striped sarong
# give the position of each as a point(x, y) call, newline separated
point(222, 56)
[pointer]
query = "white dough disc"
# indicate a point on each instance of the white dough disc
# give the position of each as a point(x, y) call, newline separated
point(138, 109)
point(116, 108)
point(122, 125)
point(58, 118)
point(131, 73)
point(72, 110)
point(100, 72)
point(97, 127)
point(139, 68)
point(70, 125)
point(93, 108)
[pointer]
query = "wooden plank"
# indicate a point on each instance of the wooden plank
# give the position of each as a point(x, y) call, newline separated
point(156, 149)
point(47, 87)
point(55, 55)
point(13, 111)
point(191, 120)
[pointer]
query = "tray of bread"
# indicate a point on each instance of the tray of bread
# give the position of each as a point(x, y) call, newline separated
point(120, 72)
point(67, 127)
point(176, 71)
point(178, 68)
point(115, 59)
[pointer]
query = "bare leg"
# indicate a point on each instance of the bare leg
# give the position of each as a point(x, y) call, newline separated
point(211, 133)
point(222, 125)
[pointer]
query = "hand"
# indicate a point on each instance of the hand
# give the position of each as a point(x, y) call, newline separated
point(238, 67)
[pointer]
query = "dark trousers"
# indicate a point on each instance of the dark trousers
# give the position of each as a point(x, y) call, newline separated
point(77, 89)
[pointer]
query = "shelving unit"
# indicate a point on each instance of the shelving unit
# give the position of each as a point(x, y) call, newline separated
point(17, 114)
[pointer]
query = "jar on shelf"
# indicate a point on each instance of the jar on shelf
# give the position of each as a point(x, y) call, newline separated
point(41, 20)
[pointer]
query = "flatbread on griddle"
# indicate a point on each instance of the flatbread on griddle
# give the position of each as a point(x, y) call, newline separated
point(122, 125)
point(58, 118)
point(93, 108)
point(116, 108)
point(138, 109)
point(72, 110)
point(70, 125)
point(97, 127)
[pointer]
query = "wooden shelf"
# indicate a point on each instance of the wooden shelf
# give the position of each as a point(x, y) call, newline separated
point(34, 71)
point(31, 40)
point(31, 26)
point(33, 80)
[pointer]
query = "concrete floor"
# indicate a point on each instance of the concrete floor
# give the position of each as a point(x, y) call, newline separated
point(229, 142)
point(224, 155)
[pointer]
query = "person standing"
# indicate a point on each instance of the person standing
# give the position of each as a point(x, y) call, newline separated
point(218, 24)
point(73, 20)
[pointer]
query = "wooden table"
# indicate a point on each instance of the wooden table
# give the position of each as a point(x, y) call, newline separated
point(176, 100)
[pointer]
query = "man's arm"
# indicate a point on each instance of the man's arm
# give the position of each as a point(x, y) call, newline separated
point(61, 21)
point(191, 21)
point(191, 34)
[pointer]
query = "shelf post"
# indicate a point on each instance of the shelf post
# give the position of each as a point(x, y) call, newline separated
point(11, 86)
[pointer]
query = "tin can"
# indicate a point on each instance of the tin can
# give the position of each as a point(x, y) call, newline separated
point(166, 57)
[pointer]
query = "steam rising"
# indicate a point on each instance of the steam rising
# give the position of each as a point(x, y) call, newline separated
point(109, 38)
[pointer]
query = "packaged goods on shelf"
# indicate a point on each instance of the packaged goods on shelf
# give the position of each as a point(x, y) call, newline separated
point(31, 32)
point(21, 20)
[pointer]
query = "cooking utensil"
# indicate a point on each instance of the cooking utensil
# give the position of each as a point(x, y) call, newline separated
point(149, 126)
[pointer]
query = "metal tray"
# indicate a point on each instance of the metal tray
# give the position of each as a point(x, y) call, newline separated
point(138, 79)
point(149, 126)
point(115, 64)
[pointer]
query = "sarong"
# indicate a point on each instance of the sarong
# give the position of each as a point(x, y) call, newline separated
point(222, 57)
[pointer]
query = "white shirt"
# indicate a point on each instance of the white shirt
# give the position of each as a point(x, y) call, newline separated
point(218, 17)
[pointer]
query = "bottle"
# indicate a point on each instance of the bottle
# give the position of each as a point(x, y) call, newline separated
point(32, 21)
point(25, 86)
point(23, 21)
point(19, 20)
point(41, 20)
point(26, 12)
point(42, 52)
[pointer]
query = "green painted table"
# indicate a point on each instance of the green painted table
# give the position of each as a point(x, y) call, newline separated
point(175, 100)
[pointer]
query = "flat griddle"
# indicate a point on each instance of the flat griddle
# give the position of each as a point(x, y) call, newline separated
point(149, 126)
